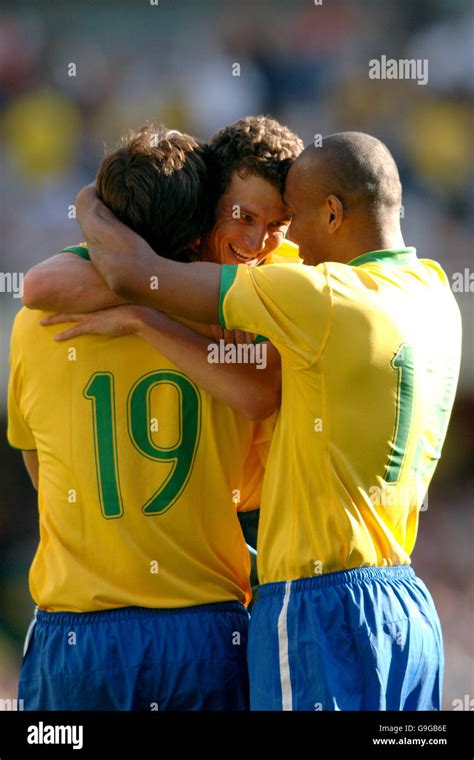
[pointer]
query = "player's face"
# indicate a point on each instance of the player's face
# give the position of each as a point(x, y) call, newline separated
point(251, 222)
point(307, 221)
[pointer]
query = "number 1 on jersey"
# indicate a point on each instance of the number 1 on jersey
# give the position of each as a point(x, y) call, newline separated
point(403, 362)
point(100, 390)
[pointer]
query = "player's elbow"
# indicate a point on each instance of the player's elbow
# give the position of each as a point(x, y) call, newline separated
point(36, 292)
point(260, 406)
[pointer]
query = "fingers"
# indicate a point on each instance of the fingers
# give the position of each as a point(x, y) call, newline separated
point(229, 336)
point(72, 332)
point(216, 332)
point(239, 336)
point(86, 196)
point(243, 337)
point(57, 319)
point(232, 336)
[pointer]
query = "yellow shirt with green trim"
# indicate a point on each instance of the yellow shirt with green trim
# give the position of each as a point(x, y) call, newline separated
point(141, 474)
point(370, 361)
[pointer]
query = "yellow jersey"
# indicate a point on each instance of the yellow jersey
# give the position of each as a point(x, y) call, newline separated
point(286, 253)
point(141, 474)
point(370, 360)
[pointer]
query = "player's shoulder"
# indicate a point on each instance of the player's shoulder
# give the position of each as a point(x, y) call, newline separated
point(434, 271)
point(442, 289)
point(22, 317)
point(292, 281)
point(21, 328)
point(287, 252)
point(27, 320)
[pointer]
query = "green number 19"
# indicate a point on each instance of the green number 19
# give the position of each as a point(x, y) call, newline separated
point(101, 391)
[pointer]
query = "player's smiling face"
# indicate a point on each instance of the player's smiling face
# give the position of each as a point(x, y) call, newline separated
point(251, 222)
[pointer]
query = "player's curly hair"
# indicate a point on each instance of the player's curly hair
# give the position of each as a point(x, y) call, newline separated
point(256, 145)
point(157, 183)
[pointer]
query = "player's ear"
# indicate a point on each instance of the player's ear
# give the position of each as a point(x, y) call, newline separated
point(335, 213)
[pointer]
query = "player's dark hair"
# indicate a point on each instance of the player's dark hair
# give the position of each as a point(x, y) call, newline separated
point(157, 183)
point(256, 145)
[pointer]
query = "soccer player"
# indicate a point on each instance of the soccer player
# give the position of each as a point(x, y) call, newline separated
point(369, 337)
point(141, 575)
point(250, 159)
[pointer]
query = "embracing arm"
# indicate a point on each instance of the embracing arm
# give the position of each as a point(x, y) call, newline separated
point(67, 283)
point(137, 274)
point(254, 392)
point(251, 389)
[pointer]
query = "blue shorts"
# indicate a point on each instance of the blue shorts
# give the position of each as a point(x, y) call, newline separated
point(134, 658)
point(362, 639)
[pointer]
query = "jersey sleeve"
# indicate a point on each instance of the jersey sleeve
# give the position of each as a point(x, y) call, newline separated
point(19, 433)
point(80, 250)
point(291, 304)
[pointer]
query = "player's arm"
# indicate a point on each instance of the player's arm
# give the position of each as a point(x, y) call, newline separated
point(289, 303)
point(30, 459)
point(137, 274)
point(67, 283)
point(251, 389)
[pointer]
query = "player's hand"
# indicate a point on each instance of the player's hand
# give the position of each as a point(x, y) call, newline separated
point(99, 225)
point(231, 336)
point(114, 322)
point(85, 200)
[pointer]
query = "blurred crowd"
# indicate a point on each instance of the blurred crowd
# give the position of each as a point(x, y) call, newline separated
point(76, 76)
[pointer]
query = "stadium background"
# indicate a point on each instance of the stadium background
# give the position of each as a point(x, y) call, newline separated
point(307, 65)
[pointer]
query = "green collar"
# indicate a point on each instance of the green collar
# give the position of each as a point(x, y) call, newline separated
point(398, 256)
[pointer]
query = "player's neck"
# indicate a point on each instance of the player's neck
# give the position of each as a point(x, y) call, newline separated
point(375, 240)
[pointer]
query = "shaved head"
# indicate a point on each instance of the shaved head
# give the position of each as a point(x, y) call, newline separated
point(358, 169)
point(344, 196)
